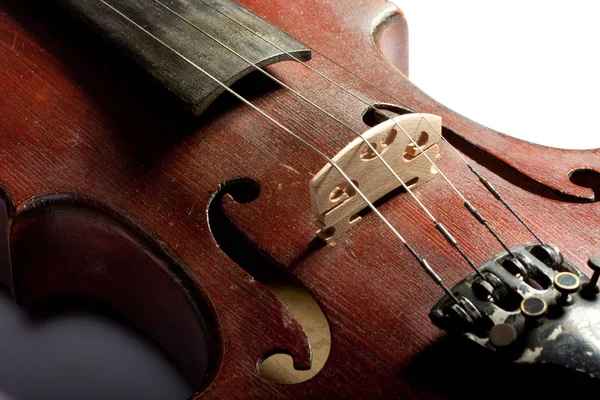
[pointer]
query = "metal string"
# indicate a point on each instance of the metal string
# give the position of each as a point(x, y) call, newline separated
point(476, 214)
point(438, 225)
point(492, 190)
point(424, 264)
point(482, 179)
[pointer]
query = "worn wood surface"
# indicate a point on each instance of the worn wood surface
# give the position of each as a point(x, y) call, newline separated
point(77, 119)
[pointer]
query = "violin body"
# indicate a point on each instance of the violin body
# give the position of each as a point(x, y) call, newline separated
point(112, 193)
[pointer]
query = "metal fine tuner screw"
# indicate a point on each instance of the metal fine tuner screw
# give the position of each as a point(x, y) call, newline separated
point(566, 283)
point(594, 264)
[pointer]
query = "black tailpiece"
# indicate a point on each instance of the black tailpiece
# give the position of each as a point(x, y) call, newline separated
point(535, 307)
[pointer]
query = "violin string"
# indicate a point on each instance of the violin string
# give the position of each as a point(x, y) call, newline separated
point(493, 190)
point(468, 205)
point(422, 262)
point(437, 224)
point(481, 178)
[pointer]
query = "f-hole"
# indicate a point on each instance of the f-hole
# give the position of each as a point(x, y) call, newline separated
point(275, 365)
point(378, 113)
point(588, 178)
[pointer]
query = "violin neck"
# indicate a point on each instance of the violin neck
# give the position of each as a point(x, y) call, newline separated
point(188, 45)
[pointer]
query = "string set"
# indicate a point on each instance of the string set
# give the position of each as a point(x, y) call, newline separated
point(440, 228)
point(483, 180)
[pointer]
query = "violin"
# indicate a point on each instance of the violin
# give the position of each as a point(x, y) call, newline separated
point(285, 216)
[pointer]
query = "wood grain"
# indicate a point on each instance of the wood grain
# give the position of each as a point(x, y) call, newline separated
point(76, 118)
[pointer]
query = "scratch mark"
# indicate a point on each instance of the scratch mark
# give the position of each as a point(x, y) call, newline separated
point(192, 209)
point(15, 40)
point(291, 169)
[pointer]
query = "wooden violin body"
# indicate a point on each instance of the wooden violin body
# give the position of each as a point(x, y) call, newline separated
point(111, 193)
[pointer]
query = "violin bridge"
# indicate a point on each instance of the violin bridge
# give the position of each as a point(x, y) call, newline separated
point(336, 204)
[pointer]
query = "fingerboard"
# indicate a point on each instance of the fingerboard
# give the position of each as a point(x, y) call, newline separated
point(177, 42)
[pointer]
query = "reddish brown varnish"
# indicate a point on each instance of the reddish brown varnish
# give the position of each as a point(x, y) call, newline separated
point(107, 187)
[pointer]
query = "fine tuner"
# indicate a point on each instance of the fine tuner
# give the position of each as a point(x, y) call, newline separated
point(528, 304)
point(543, 310)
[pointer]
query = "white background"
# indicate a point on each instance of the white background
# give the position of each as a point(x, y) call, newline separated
point(528, 68)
